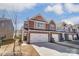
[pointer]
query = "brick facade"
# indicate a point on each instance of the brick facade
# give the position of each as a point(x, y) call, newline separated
point(32, 21)
point(31, 24)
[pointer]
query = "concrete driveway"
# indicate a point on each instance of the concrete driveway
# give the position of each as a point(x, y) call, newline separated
point(74, 42)
point(52, 49)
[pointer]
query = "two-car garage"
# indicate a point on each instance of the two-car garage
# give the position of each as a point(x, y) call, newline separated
point(38, 37)
point(43, 37)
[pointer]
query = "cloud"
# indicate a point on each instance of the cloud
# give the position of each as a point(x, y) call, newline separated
point(72, 7)
point(72, 20)
point(57, 8)
point(16, 6)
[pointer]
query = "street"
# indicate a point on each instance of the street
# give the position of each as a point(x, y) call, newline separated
point(51, 49)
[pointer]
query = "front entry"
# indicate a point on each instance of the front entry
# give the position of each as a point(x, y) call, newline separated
point(25, 38)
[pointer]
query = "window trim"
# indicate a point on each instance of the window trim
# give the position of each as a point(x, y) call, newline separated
point(36, 27)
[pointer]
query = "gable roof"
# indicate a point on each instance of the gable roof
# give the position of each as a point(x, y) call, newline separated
point(52, 22)
point(38, 18)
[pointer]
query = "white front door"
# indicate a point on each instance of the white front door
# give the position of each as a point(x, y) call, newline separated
point(38, 37)
point(56, 37)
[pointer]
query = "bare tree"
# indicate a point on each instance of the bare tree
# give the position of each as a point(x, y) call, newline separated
point(15, 34)
point(15, 31)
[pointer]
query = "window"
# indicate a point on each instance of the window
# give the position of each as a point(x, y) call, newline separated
point(40, 25)
point(52, 27)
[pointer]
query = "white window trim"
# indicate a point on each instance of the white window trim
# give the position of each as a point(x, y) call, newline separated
point(39, 22)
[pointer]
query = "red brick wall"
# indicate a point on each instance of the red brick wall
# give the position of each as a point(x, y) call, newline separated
point(31, 24)
point(47, 25)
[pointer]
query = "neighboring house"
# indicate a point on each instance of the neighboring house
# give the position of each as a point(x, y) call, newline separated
point(78, 32)
point(78, 29)
point(6, 28)
point(70, 30)
point(67, 27)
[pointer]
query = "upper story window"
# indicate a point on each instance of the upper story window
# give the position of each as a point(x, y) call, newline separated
point(52, 27)
point(40, 25)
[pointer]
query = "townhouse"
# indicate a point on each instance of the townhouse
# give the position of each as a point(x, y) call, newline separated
point(37, 29)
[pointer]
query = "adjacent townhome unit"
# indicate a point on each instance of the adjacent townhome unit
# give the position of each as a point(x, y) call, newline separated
point(52, 25)
point(6, 28)
point(36, 29)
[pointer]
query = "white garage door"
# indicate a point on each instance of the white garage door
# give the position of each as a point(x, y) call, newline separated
point(38, 37)
point(56, 37)
point(63, 36)
point(70, 37)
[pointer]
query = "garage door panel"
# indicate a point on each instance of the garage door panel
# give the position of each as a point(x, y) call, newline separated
point(56, 37)
point(36, 37)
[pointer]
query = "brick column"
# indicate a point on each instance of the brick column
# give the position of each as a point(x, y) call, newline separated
point(28, 37)
point(49, 36)
point(51, 39)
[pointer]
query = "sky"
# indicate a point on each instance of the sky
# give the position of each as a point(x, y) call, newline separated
point(59, 12)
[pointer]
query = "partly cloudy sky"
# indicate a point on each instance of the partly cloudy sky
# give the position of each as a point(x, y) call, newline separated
point(58, 12)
